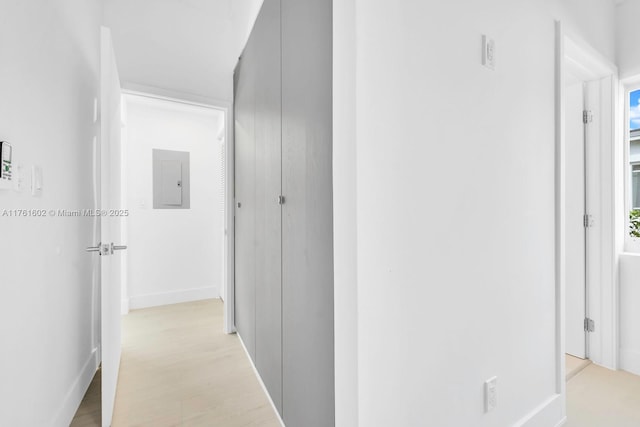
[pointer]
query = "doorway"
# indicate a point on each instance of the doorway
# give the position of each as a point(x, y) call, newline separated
point(170, 187)
point(174, 194)
point(587, 203)
point(578, 119)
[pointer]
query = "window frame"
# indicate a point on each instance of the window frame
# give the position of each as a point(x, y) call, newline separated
point(631, 244)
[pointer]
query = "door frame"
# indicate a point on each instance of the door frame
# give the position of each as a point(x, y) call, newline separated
point(603, 291)
point(226, 108)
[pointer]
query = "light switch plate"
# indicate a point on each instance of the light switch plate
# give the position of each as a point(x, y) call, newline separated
point(36, 181)
point(490, 394)
point(18, 182)
point(488, 52)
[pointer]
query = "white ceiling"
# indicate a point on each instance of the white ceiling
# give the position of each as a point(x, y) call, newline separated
point(184, 46)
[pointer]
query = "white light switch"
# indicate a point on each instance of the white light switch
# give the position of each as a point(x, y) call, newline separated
point(18, 183)
point(36, 181)
point(488, 52)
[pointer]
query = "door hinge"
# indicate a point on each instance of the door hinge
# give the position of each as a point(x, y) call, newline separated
point(281, 200)
point(587, 116)
point(587, 221)
point(589, 325)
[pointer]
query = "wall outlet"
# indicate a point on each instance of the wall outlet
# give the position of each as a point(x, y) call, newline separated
point(490, 394)
point(488, 52)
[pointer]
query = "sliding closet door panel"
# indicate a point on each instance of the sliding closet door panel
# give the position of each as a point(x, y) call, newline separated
point(268, 136)
point(308, 343)
point(245, 194)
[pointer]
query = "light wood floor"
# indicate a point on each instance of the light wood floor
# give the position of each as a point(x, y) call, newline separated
point(598, 397)
point(179, 369)
point(574, 365)
point(90, 412)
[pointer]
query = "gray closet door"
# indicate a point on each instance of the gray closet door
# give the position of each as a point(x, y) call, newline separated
point(268, 358)
point(308, 339)
point(245, 194)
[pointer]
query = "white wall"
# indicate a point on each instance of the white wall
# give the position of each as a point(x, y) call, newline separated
point(629, 313)
point(48, 80)
point(174, 255)
point(594, 21)
point(455, 269)
point(190, 46)
point(627, 14)
point(345, 208)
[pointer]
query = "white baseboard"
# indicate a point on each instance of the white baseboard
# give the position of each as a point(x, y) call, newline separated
point(550, 413)
point(174, 297)
point(264, 387)
point(630, 361)
point(76, 393)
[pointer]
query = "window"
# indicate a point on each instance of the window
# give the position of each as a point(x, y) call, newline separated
point(635, 186)
point(633, 197)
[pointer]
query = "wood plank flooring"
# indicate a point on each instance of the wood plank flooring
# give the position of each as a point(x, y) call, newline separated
point(179, 369)
point(599, 397)
point(90, 412)
point(574, 365)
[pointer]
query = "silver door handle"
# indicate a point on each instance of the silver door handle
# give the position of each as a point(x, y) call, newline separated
point(117, 248)
point(102, 249)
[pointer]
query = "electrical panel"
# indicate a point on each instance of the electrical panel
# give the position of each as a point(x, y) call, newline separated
point(171, 179)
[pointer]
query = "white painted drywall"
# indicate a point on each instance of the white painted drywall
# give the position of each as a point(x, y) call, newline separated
point(627, 14)
point(455, 237)
point(590, 21)
point(345, 208)
point(629, 313)
point(48, 79)
point(190, 46)
point(174, 255)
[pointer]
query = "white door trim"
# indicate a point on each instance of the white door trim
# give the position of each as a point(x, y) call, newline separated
point(229, 255)
point(603, 289)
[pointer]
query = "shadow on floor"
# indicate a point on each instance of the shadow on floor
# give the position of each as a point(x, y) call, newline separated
point(89, 413)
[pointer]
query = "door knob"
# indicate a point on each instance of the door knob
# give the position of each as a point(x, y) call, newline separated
point(102, 249)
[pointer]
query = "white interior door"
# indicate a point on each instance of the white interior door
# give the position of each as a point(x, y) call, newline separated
point(575, 296)
point(110, 223)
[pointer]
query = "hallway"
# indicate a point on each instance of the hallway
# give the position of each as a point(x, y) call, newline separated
point(409, 211)
point(179, 369)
